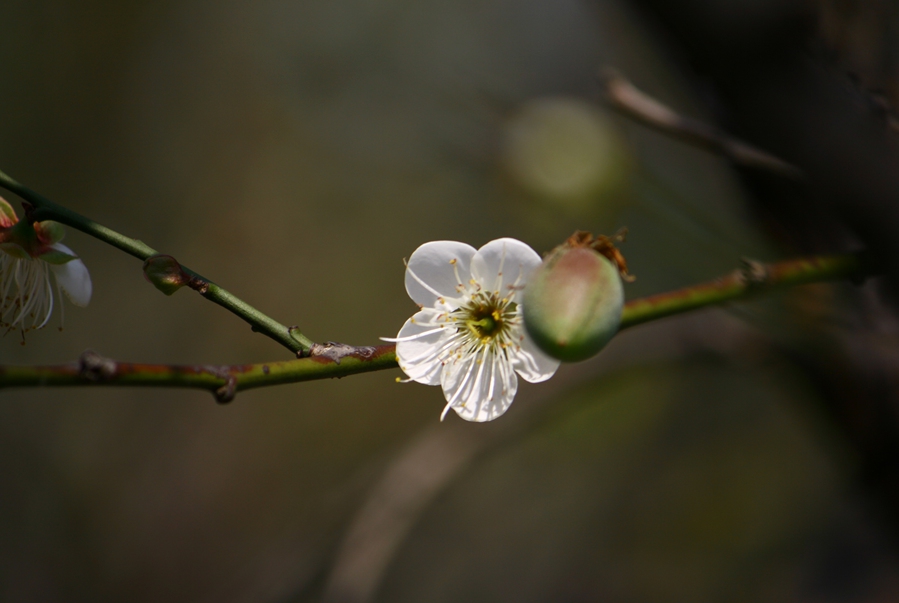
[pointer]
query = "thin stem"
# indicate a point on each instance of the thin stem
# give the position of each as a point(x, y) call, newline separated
point(639, 106)
point(338, 360)
point(44, 209)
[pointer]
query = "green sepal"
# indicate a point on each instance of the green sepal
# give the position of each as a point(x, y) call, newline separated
point(24, 235)
point(15, 250)
point(57, 257)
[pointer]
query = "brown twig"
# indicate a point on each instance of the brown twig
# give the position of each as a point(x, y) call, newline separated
point(624, 97)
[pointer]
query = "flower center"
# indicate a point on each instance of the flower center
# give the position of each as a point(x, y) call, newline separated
point(486, 326)
point(486, 316)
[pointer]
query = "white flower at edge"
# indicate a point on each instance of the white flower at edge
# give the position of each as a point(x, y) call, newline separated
point(469, 335)
point(29, 253)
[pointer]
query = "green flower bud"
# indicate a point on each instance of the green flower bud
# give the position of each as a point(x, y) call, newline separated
point(572, 303)
point(49, 232)
point(165, 273)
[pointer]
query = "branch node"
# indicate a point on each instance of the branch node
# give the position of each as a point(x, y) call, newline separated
point(753, 273)
point(336, 351)
point(199, 285)
point(226, 393)
point(294, 332)
point(94, 367)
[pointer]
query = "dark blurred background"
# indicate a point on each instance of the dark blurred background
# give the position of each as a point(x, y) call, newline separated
point(296, 152)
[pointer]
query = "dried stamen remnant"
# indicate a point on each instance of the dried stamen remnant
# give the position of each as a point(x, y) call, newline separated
point(604, 245)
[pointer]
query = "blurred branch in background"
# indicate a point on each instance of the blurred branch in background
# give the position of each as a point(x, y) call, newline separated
point(624, 97)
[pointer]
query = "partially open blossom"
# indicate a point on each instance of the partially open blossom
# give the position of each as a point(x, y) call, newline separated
point(29, 253)
point(468, 336)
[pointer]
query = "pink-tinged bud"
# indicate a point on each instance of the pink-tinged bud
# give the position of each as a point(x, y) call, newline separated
point(49, 232)
point(165, 273)
point(572, 303)
point(7, 214)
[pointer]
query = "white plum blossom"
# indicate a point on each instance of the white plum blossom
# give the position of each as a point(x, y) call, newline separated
point(469, 336)
point(29, 254)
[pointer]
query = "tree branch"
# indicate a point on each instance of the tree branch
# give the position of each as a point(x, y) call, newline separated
point(331, 359)
point(224, 381)
point(639, 106)
point(44, 209)
point(751, 279)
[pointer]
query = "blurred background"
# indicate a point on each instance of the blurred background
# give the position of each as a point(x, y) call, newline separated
point(296, 152)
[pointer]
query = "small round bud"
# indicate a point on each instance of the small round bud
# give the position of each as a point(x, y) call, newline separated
point(165, 273)
point(49, 232)
point(572, 303)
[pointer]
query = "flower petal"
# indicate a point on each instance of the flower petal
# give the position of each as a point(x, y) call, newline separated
point(531, 363)
point(436, 269)
point(504, 266)
point(73, 278)
point(419, 346)
point(480, 386)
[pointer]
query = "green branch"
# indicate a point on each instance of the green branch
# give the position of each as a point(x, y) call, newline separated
point(44, 209)
point(328, 361)
point(751, 279)
point(338, 360)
